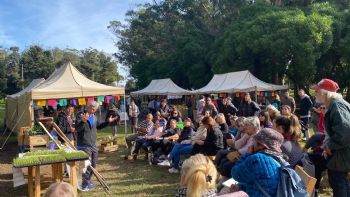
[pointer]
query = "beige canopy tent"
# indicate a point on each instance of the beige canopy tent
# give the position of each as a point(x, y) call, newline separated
point(12, 111)
point(65, 82)
point(162, 87)
point(241, 81)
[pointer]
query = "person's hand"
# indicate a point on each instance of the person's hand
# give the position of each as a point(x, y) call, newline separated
point(328, 151)
point(158, 138)
point(72, 129)
point(111, 119)
point(199, 142)
point(251, 149)
point(234, 188)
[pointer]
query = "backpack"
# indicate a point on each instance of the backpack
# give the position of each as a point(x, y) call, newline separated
point(289, 185)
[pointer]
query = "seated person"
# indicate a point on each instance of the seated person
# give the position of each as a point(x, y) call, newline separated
point(213, 141)
point(240, 122)
point(198, 178)
point(289, 127)
point(162, 121)
point(265, 121)
point(252, 126)
point(144, 128)
point(167, 140)
point(259, 165)
point(145, 141)
point(183, 146)
point(174, 115)
point(227, 137)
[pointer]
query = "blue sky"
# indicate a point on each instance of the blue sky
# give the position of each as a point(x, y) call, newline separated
point(75, 24)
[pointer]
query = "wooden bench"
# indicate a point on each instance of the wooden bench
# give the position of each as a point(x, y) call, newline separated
point(309, 181)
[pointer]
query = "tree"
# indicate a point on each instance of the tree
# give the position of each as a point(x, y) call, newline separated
point(3, 79)
point(13, 71)
point(37, 63)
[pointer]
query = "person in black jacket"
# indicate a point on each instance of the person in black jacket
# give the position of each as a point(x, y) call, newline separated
point(86, 126)
point(113, 111)
point(305, 114)
point(248, 107)
point(65, 122)
point(228, 109)
point(212, 143)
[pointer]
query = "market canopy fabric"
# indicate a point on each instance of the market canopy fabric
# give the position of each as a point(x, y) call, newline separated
point(65, 82)
point(68, 82)
point(237, 82)
point(162, 87)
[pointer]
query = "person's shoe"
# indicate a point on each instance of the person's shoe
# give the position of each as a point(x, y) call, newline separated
point(134, 156)
point(173, 171)
point(91, 186)
point(164, 163)
point(126, 157)
point(83, 188)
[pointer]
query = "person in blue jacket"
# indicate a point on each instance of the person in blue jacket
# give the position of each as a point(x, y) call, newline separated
point(258, 166)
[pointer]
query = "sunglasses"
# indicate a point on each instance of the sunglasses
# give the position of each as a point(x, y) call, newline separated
point(323, 108)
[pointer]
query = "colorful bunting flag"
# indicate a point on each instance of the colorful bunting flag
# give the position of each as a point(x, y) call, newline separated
point(63, 102)
point(73, 102)
point(41, 103)
point(52, 102)
point(81, 101)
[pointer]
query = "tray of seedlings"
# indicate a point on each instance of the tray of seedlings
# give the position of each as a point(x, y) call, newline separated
point(26, 162)
point(76, 156)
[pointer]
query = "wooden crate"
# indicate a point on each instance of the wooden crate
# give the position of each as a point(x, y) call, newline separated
point(104, 148)
point(21, 135)
point(36, 140)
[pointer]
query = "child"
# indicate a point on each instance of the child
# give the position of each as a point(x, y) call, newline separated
point(265, 121)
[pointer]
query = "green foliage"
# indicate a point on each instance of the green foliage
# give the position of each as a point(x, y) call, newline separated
point(46, 159)
point(35, 130)
point(25, 161)
point(76, 155)
point(45, 152)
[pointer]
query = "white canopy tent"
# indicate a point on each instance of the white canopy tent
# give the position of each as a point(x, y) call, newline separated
point(65, 82)
point(241, 81)
point(162, 87)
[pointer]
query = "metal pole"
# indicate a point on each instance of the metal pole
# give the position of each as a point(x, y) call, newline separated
point(125, 115)
point(256, 94)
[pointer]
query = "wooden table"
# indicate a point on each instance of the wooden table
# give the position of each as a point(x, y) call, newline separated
point(34, 188)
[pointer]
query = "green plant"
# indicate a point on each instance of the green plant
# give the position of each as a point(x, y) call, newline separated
point(52, 159)
point(25, 161)
point(35, 130)
point(76, 155)
point(45, 152)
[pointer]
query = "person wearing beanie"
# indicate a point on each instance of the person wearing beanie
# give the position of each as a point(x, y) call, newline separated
point(337, 126)
point(259, 165)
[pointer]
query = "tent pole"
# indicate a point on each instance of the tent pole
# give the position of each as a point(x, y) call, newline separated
point(125, 114)
point(32, 114)
point(256, 94)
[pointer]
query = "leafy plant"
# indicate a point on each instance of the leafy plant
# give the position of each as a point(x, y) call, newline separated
point(52, 159)
point(76, 155)
point(45, 152)
point(35, 130)
point(25, 161)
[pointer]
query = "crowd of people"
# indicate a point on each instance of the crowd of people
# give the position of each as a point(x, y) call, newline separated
point(244, 142)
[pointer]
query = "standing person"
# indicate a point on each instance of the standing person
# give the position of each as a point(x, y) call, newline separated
point(87, 125)
point(288, 100)
point(228, 109)
point(144, 128)
point(209, 106)
point(337, 146)
point(65, 122)
point(133, 114)
point(164, 109)
point(113, 111)
point(305, 114)
point(276, 102)
point(248, 107)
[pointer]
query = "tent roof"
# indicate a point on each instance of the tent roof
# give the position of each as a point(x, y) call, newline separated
point(237, 81)
point(162, 87)
point(35, 83)
point(68, 82)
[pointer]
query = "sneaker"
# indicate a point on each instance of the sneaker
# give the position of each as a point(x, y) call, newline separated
point(173, 171)
point(164, 163)
point(91, 186)
point(134, 157)
point(83, 188)
point(126, 157)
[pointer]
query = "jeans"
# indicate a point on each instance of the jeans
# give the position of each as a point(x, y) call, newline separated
point(130, 139)
point(93, 153)
point(141, 143)
point(339, 183)
point(177, 151)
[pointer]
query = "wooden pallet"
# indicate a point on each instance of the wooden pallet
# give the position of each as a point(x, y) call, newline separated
point(106, 149)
